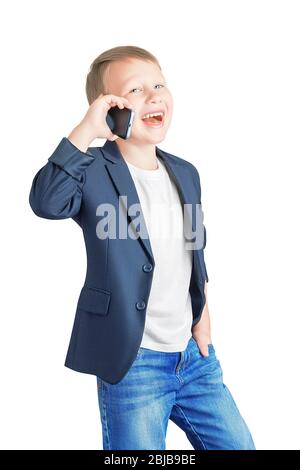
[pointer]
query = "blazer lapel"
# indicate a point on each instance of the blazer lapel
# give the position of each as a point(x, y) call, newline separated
point(125, 186)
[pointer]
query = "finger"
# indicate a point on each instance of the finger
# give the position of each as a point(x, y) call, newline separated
point(204, 349)
point(128, 104)
point(123, 102)
point(119, 100)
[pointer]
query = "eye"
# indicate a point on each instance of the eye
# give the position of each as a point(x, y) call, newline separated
point(134, 89)
point(158, 84)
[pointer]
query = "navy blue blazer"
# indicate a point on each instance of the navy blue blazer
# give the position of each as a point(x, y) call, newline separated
point(111, 309)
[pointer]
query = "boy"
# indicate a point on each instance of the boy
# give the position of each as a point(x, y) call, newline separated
point(137, 325)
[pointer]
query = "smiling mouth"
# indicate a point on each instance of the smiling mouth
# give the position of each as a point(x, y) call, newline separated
point(154, 121)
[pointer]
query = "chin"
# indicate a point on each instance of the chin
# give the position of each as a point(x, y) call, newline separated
point(161, 139)
point(150, 139)
point(153, 141)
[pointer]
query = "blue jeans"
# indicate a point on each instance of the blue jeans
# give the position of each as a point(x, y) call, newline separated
point(185, 387)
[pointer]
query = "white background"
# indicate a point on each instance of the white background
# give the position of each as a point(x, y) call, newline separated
point(233, 70)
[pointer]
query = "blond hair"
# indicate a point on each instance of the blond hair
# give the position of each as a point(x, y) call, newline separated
point(95, 78)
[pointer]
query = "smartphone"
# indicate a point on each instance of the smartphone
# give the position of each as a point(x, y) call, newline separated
point(120, 121)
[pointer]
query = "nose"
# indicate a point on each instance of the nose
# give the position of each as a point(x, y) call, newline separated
point(154, 97)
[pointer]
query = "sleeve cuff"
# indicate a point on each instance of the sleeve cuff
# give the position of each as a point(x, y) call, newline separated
point(68, 157)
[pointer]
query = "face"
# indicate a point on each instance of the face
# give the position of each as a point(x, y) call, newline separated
point(142, 83)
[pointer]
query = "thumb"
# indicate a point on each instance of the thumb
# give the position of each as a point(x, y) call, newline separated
point(203, 349)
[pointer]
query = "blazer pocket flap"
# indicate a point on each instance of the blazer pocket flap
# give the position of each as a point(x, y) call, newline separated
point(94, 300)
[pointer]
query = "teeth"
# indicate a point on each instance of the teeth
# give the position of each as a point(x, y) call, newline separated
point(152, 114)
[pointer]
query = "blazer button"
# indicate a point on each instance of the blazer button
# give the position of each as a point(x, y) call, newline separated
point(147, 268)
point(140, 305)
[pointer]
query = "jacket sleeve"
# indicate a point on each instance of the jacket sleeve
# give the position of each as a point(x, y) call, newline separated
point(56, 190)
point(201, 251)
point(202, 261)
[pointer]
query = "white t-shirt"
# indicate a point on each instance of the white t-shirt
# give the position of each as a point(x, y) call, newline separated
point(169, 310)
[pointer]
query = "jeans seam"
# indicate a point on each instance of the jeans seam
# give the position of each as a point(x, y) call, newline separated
point(106, 433)
point(191, 426)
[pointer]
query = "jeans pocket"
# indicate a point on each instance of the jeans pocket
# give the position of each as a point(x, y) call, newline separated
point(210, 346)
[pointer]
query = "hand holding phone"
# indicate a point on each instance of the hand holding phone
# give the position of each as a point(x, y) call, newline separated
point(109, 117)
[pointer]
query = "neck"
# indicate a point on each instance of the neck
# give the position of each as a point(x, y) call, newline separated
point(143, 156)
